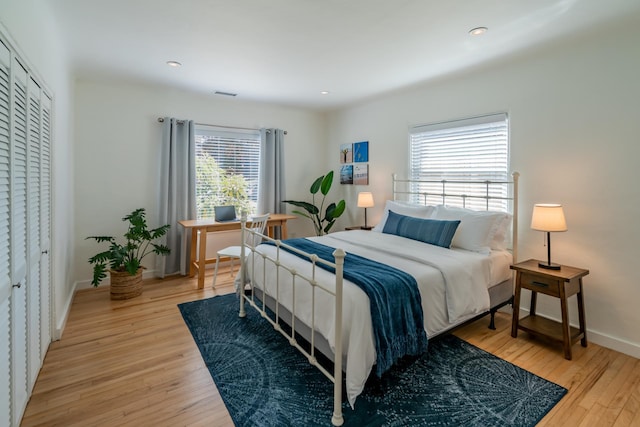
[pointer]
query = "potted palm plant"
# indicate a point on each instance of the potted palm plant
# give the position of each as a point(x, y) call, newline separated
point(322, 221)
point(124, 261)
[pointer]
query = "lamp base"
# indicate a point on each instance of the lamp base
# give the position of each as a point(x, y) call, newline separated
point(549, 266)
point(365, 227)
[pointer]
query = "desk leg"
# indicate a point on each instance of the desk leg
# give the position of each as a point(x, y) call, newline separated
point(183, 259)
point(583, 322)
point(283, 230)
point(202, 258)
point(192, 253)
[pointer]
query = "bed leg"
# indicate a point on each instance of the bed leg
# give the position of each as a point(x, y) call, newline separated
point(492, 322)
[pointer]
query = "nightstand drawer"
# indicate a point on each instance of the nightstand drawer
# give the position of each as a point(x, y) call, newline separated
point(540, 284)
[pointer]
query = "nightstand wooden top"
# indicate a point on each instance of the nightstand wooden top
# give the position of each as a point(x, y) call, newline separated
point(567, 273)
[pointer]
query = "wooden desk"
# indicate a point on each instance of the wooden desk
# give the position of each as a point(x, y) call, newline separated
point(204, 226)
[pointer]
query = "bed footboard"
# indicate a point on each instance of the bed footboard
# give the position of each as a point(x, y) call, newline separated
point(290, 333)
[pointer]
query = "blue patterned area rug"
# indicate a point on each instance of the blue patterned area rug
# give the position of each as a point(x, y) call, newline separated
point(266, 382)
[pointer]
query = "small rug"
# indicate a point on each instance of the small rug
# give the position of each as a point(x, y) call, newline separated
point(266, 382)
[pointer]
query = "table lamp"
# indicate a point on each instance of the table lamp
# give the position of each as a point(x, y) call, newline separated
point(365, 200)
point(548, 217)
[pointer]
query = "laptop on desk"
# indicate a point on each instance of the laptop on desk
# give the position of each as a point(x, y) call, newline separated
point(224, 213)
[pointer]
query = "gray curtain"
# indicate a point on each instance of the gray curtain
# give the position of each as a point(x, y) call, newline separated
point(272, 189)
point(177, 191)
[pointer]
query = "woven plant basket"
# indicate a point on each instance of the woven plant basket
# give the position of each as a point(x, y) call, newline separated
point(124, 285)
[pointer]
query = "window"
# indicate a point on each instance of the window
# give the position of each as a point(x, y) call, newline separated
point(469, 149)
point(227, 169)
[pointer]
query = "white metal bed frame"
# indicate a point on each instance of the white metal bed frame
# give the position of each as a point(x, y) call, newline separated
point(486, 184)
point(260, 304)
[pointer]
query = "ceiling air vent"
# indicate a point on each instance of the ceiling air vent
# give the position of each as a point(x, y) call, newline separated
point(224, 93)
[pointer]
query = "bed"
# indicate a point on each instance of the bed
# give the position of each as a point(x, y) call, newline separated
point(318, 287)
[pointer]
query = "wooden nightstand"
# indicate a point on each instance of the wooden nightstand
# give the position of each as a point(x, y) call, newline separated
point(357, 227)
point(557, 283)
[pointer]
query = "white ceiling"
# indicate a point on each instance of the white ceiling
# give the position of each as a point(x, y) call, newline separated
point(288, 51)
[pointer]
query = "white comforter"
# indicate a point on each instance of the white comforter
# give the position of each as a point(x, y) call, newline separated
point(453, 286)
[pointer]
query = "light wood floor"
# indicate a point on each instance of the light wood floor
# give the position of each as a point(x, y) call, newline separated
point(134, 363)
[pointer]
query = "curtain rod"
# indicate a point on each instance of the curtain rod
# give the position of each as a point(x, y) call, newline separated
point(161, 120)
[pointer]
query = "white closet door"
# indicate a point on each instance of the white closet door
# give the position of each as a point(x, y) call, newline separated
point(33, 233)
point(5, 252)
point(18, 239)
point(45, 227)
point(25, 221)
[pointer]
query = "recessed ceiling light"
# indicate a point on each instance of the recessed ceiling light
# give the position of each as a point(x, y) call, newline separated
point(174, 64)
point(324, 92)
point(478, 31)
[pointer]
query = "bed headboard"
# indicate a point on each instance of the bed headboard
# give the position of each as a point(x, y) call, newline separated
point(499, 195)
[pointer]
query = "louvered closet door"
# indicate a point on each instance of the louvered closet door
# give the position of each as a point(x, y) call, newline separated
point(25, 221)
point(33, 233)
point(5, 253)
point(45, 227)
point(18, 239)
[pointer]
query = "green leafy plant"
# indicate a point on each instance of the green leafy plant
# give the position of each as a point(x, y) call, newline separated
point(128, 257)
point(322, 224)
point(215, 187)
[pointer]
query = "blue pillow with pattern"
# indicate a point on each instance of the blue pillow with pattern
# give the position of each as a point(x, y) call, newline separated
point(433, 231)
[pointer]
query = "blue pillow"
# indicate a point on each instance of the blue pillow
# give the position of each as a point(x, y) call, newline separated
point(433, 231)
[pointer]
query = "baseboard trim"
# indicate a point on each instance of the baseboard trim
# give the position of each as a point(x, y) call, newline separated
point(618, 344)
point(62, 320)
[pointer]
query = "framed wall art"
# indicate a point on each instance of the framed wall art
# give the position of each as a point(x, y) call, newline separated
point(346, 174)
point(346, 153)
point(361, 174)
point(361, 152)
point(353, 160)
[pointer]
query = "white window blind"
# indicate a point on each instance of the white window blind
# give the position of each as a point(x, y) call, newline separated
point(227, 169)
point(468, 149)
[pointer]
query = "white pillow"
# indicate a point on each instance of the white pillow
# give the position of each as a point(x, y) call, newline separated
point(403, 208)
point(499, 241)
point(479, 231)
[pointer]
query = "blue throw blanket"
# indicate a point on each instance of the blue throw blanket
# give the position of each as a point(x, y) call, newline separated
point(396, 306)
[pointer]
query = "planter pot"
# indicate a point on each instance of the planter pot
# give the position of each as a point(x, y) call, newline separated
point(124, 285)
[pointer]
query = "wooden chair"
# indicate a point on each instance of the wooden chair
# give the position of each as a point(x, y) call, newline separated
point(258, 224)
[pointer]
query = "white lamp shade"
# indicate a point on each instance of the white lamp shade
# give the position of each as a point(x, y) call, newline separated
point(548, 217)
point(365, 200)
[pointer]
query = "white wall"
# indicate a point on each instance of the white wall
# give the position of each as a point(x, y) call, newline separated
point(574, 113)
point(117, 152)
point(30, 25)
